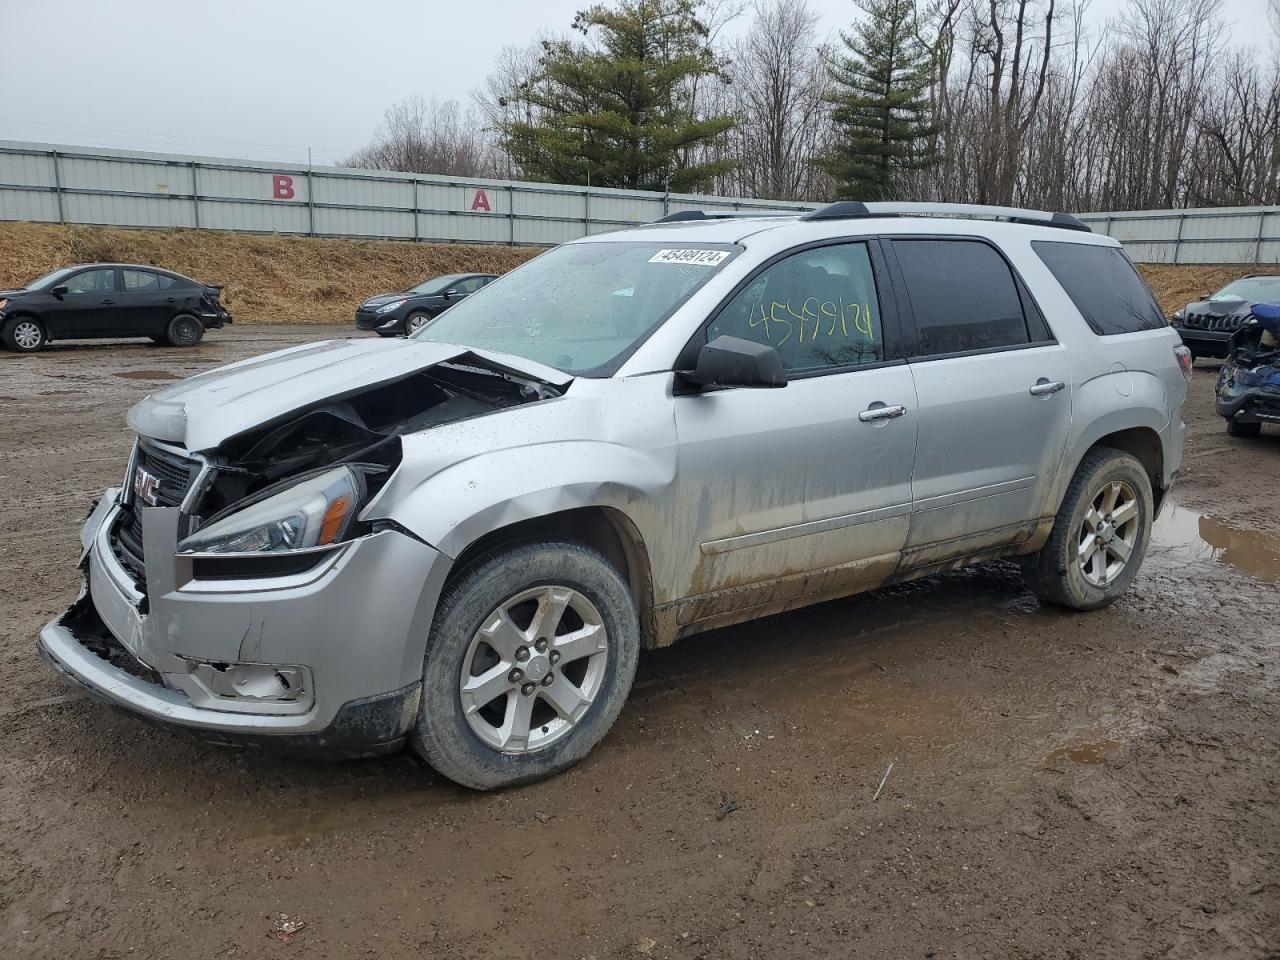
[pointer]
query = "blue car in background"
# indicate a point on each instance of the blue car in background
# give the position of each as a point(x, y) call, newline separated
point(1248, 392)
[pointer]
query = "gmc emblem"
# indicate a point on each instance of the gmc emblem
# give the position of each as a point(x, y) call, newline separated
point(146, 486)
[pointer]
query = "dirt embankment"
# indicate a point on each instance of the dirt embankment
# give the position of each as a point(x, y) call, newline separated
point(265, 278)
point(279, 279)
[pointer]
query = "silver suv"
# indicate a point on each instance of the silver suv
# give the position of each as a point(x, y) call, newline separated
point(463, 540)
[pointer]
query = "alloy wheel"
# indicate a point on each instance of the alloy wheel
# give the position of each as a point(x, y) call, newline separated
point(417, 322)
point(1109, 534)
point(534, 668)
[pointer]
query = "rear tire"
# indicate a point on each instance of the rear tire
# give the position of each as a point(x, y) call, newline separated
point(1100, 535)
point(1246, 431)
point(582, 656)
point(184, 331)
point(24, 335)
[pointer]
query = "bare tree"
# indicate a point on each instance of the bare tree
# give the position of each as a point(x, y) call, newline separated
point(430, 136)
point(778, 95)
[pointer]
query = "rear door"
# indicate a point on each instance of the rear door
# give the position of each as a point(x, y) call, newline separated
point(994, 395)
point(92, 306)
point(803, 490)
point(149, 305)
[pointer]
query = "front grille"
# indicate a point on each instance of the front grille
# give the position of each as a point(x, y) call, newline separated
point(1200, 321)
point(174, 474)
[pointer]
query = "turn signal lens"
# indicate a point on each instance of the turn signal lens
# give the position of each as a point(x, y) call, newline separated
point(335, 518)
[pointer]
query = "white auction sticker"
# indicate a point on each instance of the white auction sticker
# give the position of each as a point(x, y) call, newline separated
point(695, 258)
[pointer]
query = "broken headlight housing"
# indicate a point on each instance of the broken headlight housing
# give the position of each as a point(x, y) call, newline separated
point(314, 512)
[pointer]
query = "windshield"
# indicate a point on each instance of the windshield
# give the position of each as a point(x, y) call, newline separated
point(1253, 289)
point(436, 284)
point(583, 307)
point(50, 279)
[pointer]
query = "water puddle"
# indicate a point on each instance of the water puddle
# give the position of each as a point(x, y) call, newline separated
point(147, 375)
point(1185, 534)
point(1090, 754)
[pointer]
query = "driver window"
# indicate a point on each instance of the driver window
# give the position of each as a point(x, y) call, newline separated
point(818, 309)
point(93, 281)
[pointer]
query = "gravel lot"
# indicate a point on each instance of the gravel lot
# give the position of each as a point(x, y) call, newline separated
point(1100, 785)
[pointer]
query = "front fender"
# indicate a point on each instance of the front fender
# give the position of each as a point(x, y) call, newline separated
point(456, 506)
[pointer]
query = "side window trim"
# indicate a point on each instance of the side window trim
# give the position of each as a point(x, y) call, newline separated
point(911, 334)
point(888, 307)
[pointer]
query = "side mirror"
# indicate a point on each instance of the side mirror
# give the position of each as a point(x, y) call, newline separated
point(59, 291)
point(451, 292)
point(733, 362)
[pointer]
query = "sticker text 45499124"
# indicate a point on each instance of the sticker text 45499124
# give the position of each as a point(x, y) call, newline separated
point(690, 257)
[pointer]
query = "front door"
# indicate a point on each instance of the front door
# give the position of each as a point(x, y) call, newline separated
point(92, 305)
point(994, 397)
point(802, 491)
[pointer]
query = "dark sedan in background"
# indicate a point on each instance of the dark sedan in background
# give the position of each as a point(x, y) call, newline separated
point(1207, 325)
point(109, 300)
point(392, 314)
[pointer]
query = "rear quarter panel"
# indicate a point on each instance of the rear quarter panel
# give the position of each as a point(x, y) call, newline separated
point(1118, 382)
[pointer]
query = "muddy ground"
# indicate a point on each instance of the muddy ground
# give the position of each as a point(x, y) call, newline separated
point(1101, 785)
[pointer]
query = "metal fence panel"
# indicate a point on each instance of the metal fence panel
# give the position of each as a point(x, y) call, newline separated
point(42, 182)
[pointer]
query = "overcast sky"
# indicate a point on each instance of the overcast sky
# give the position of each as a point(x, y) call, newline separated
point(267, 80)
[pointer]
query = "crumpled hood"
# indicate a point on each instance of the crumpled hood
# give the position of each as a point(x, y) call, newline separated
point(1217, 308)
point(203, 411)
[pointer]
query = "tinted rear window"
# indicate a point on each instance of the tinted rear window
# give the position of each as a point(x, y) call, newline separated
point(1104, 285)
point(962, 295)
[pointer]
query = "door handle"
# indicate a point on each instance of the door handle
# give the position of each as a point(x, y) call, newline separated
point(881, 412)
point(108, 302)
point(1044, 388)
point(170, 299)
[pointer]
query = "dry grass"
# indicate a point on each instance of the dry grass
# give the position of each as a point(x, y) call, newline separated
point(1175, 287)
point(265, 279)
point(278, 279)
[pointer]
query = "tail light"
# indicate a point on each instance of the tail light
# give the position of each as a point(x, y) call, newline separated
point(1185, 361)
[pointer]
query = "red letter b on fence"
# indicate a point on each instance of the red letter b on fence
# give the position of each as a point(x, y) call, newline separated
point(282, 186)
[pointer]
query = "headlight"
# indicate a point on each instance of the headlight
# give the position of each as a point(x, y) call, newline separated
point(388, 307)
point(3, 304)
point(313, 513)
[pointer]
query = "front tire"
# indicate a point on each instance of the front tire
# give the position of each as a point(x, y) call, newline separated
point(530, 659)
point(184, 331)
point(24, 335)
point(415, 322)
point(1246, 431)
point(1100, 535)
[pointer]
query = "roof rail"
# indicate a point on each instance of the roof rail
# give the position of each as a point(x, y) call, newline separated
point(681, 216)
point(854, 209)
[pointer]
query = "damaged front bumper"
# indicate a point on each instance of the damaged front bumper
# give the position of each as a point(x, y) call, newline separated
point(324, 661)
point(1248, 403)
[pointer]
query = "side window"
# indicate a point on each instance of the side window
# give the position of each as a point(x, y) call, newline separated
point(818, 309)
point(962, 295)
point(1103, 284)
point(140, 280)
point(470, 285)
point(167, 282)
point(93, 281)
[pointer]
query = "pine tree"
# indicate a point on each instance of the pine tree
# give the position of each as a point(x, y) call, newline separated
point(618, 109)
point(881, 106)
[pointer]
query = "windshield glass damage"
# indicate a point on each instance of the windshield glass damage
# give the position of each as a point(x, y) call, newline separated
point(584, 307)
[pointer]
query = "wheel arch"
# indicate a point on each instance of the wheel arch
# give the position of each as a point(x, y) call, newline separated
point(26, 314)
point(604, 529)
